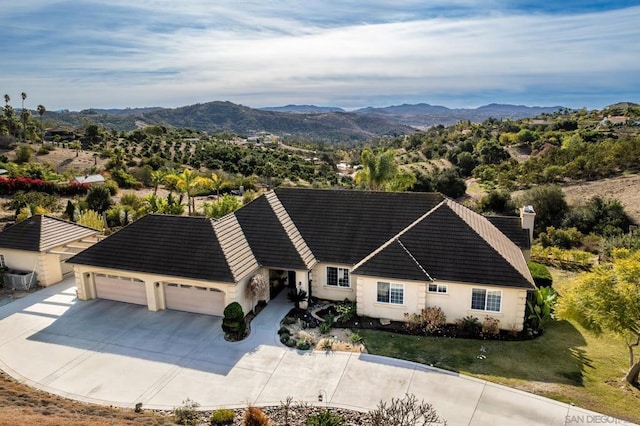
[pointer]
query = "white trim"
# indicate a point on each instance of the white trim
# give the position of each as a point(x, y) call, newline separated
point(338, 269)
point(391, 288)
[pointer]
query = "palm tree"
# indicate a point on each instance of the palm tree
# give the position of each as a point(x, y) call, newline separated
point(24, 118)
point(216, 183)
point(188, 182)
point(376, 170)
point(157, 176)
point(41, 111)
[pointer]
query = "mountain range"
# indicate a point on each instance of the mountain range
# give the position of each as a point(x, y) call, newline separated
point(301, 121)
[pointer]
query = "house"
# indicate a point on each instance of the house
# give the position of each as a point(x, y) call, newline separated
point(41, 244)
point(88, 179)
point(393, 253)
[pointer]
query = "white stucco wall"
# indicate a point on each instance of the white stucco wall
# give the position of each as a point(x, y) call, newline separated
point(155, 293)
point(456, 304)
point(46, 266)
point(367, 304)
point(320, 289)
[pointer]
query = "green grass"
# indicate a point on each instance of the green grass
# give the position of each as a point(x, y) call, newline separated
point(566, 363)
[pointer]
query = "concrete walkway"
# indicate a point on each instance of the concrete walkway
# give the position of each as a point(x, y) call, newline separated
point(121, 354)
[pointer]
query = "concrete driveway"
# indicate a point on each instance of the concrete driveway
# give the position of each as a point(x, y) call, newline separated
point(121, 354)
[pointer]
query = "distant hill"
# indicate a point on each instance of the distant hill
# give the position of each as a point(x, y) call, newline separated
point(306, 121)
point(303, 109)
point(425, 115)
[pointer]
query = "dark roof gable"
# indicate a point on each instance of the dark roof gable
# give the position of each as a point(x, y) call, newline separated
point(511, 226)
point(342, 226)
point(161, 244)
point(41, 233)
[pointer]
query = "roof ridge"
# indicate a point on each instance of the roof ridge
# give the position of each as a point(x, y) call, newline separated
point(496, 240)
point(414, 259)
point(292, 231)
point(397, 236)
point(234, 245)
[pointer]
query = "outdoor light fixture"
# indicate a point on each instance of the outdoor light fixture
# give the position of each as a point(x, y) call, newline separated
point(322, 395)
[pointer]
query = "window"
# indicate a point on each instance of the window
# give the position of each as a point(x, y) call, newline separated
point(338, 277)
point(2, 264)
point(486, 300)
point(438, 288)
point(390, 293)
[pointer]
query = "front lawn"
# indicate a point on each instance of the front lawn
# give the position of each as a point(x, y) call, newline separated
point(566, 363)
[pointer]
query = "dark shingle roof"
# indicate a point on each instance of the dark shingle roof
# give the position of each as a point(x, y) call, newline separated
point(393, 261)
point(512, 227)
point(342, 226)
point(42, 233)
point(160, 244)
point(454, 244)
point(266, 236)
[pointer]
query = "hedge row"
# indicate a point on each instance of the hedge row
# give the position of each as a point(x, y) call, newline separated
point(9, 186)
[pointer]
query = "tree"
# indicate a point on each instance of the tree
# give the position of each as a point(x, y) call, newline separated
point(23, 153)
point(216, 183)
point(381, 173)
point(549, 204)
point(608, 299)
point(91, 219)
point(76, 146)
point(226, 204)
point(257, 287)
point(99, 198)
point(157, 177)
point(406, 411)
point(233, 322)
point(24, 116)
point(189, 183)
point(41, 111)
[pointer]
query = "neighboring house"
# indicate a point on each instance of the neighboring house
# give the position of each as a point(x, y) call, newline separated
point(89, 179)
point(41, 243)
point(393, 253)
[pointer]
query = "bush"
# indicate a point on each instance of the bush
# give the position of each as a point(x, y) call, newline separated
point(22, 199)
point(404, 412)
point(325, 418)
point(303, 345)
point(112, 186)
point(187, 414)
point(491, 327)
point(253, 416)
point(469, 325)
point(99, 199)
point(10, 186)
point(284, 338)
point(124, 179)
point(283, 330)
point(430, 320)
point(233, 323)
point(291, 343)
point(222, 417)
point(23, 154)
point(541, 275)
point(346, 310)
point(325, 326)
point(356, 338)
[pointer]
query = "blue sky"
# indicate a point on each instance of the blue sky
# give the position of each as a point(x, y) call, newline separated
point(78, 54)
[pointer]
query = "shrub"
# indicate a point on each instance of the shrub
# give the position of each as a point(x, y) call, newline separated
point(356, 338)
point(291, 343)
point(124, 179)
point(73, 188)
point(187, 413)
point(325, 326)
point(99, 199)
point(91, 219)
point(112, 186)
point(10, 186)
point(283, 330)
point(469, 325)
point(303, 345)
point(327, 345)
point(22, 199)
point(346, 310)
point(325, 418)
point(253, 416)
point(429, 320)
point(491, 327)
point(23, 154)
point(540, 307)
point(233, 323)
point(297, 296)
point(404, 412)
point(222, 417)
point(541, 275)
point(284, 338)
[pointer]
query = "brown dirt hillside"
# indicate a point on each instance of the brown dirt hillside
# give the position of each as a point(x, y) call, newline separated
point(624, 188)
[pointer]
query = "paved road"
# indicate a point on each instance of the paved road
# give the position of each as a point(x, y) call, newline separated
point(121, 354)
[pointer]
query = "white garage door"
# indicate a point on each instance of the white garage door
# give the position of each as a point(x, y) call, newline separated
point(122, 289)
point(191, 298)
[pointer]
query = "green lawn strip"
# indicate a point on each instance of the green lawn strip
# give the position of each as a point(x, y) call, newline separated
point(566, 363)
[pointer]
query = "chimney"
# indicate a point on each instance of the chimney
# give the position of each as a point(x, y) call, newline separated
point(527, 220)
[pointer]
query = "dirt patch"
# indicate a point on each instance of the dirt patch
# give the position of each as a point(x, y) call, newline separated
point(626, 189)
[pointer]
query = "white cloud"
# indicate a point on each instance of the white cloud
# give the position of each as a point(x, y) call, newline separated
point(259, 57)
